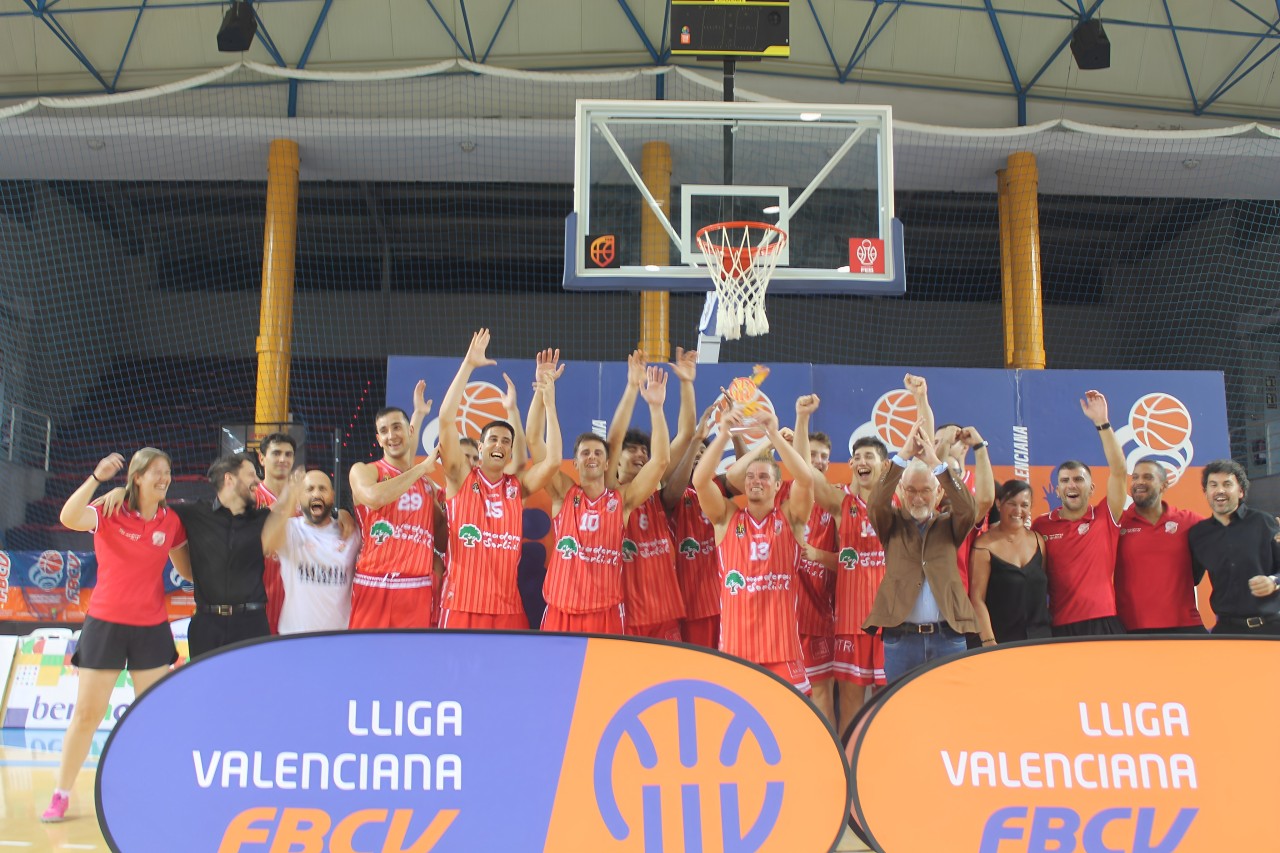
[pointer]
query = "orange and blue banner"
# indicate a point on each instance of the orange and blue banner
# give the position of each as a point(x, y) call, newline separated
point(1074, 745)
point(466, 741)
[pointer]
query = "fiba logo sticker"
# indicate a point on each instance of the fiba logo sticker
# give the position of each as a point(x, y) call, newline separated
point(481, 403)
point(1160, 426)
point(46, 571)
point(705, 752)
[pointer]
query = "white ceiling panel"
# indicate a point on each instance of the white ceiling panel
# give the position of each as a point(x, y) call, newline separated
point(554, 26)
point(928, 35)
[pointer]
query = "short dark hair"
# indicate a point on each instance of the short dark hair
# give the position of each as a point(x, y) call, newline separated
point(1226, 466)
point(228, 463)
point(491, 424)
point(277, 438)
point(469, 442)
point(636, 437)
point(589, 436)
point(1154, 460)
point(1073, 465)
point(386, 410)
point(874, 443)
point(820, 438)
point(1008, 490)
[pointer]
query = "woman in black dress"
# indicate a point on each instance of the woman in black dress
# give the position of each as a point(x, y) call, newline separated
point(1007, 581)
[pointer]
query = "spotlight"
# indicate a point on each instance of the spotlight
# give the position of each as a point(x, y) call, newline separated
point(1090, 46)
point(238, 27)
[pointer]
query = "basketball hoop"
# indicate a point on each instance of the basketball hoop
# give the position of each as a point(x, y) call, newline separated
point(741, 257)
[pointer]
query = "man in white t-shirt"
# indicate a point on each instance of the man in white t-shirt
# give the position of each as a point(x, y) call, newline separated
point(316, 563)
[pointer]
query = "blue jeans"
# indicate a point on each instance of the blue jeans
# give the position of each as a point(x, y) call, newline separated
point(904, 651)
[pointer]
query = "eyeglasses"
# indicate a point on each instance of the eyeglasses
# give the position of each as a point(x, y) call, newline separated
point(911, 492)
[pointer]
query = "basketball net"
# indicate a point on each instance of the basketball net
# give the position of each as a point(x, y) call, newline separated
point(741, 257)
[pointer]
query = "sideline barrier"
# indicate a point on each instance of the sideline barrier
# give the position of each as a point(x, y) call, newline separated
point(469, 740)
point(56, 586)
point(1089, 745)
point(43, 692)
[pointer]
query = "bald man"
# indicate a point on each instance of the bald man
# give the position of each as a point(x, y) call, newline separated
point(316, 562)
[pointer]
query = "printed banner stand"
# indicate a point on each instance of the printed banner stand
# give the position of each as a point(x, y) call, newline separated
point(1088, 745)
point(466, 741)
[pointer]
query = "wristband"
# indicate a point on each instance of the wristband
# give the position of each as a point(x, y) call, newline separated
point(95, 478)
point(1105, 425)
point(982, 446)
point(991, 640)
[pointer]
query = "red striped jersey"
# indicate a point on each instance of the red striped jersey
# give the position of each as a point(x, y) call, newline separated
point(697, 566)
point(585, 572)
point(486, 521)
point(758, 589)
point(652, 593)
point(399, 537)
point(817, 590)
point(861, 566)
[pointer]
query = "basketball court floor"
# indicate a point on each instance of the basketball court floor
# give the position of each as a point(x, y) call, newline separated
point(27, 768)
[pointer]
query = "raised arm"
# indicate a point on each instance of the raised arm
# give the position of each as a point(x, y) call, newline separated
point(421, 408)
point(1094, 406)
point(367, 491)
point(984, 478)
point(275, 531)
point(76, 513)
point(716, 507)
point(800, 501)
point(541, 474)
point(548, 365)
point(649, 478)
point(685, 368)
point(519, 448)
point(451, 456)
point(919, 390)
point(622, 415)
point(678, 477)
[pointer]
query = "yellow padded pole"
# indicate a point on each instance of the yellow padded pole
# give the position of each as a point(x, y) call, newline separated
point(655, 248)
point(1024, 244)
point(279, 254)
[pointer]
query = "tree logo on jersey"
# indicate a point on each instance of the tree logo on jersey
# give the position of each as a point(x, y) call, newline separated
point(381, 532)
point(689, 547)
point(469, 534)
point(567, 546)
point(629, 550)
point(848, 558)
point(734, 581)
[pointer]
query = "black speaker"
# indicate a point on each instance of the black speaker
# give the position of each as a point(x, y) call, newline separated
point(1090, 46)
point(238, 28)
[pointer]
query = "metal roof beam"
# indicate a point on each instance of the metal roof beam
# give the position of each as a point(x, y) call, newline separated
point(860, 49)
point(466, 25)
point(826, 42)
point(47, 18)
point(1227, 82)
point(635, 25)
point(462, 50)
point(1177, 43)
point(268, 43)
point(498, 29)
point(1088, 13)
point(128, 44)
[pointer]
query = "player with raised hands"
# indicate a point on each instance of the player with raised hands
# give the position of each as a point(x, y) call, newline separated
point(583, 588)
point(486, 503)
point(759, 546)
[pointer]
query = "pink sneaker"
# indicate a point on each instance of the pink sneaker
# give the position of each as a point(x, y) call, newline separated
point(57, 808)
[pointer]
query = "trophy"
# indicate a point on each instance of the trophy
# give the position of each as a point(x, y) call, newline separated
point(744, 392)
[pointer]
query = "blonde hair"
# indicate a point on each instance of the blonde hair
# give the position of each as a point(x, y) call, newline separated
point(140, 462)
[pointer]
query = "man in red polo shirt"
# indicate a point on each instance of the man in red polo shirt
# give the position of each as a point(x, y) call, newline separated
point(1080, 540)
point(1155, 586)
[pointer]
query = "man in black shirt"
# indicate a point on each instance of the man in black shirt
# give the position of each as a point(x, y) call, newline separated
point(225, 541)
point(1238, 548)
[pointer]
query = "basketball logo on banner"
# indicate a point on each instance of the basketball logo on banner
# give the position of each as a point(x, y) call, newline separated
point(703, 739)
point(892, 418)
point(481, 403)
point(1160, 425)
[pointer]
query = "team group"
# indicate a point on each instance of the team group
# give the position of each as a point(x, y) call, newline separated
point(837, 588)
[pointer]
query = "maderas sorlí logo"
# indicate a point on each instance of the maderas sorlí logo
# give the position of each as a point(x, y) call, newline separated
point(708, 748)
point(381, 532)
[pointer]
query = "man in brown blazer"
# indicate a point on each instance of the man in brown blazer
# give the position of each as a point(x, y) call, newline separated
point(922, 607)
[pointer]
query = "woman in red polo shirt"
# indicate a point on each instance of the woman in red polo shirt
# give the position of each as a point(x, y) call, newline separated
point(127, 625)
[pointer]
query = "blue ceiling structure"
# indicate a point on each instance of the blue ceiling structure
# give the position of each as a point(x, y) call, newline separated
point(1251, 40)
